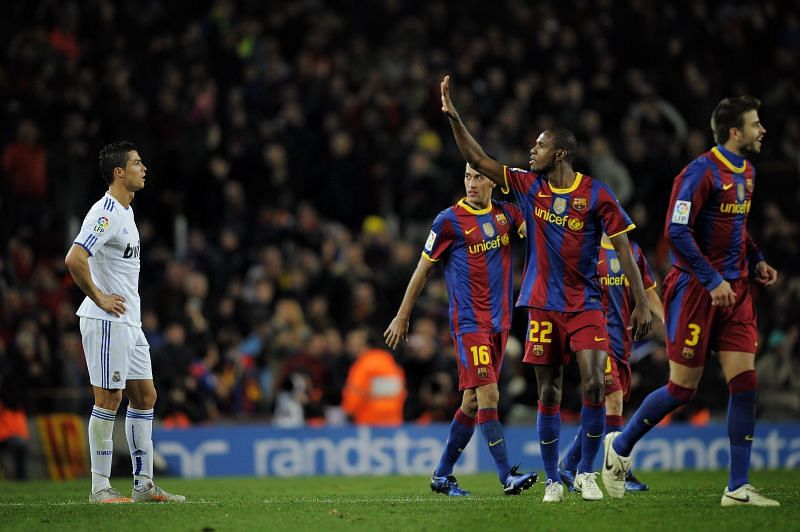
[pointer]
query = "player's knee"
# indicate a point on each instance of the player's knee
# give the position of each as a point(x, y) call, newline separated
point(145, 400)
point(681, 394)
point(469, 404)
point(110, 400)
point(594, 388)
point(550, 394)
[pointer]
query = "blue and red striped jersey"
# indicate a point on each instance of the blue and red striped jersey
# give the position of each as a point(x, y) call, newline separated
point(617, 297)
point(564, 231)
point(475, 246)
point(706, 224)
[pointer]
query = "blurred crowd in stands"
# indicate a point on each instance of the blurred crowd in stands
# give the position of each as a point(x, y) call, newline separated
point(297, 155)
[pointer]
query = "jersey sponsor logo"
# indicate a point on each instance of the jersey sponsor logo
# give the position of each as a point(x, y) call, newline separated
point(738, 207)
point(483, 372)
point(614, 280)
point(579, 203)
point(559, 205)
point(488, 229)
point(687, 353)
point(501, 218)
point(430, 242)
point(101, 225)
point(727, 186)
point(573, 223)
point(680, 214)
point(468, 231)
point(488, 245)
point(131, 252)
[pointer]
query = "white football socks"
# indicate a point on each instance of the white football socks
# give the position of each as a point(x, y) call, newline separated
point(139, 432)
point(101, 446)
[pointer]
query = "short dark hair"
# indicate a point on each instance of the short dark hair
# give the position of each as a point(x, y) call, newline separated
point(730, 113)
point(564, 139)
point(114, 155)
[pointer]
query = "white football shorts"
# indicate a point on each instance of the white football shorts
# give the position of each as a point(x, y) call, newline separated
point(115, 352)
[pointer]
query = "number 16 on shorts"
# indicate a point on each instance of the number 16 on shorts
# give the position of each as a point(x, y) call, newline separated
point(480, 357)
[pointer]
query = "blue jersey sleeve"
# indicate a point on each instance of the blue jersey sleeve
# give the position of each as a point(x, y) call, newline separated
point(689, 193)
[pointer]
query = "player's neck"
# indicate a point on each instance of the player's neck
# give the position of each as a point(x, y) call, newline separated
point(562, 177)
point(477, 205)
point(733, 148)
point(121, 194)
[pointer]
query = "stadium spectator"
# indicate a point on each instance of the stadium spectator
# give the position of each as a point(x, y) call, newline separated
point(375, 389)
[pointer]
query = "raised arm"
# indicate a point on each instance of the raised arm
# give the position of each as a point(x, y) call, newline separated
point(77, 261)
point(467, 145)
point(641, 318)
point(398, 329)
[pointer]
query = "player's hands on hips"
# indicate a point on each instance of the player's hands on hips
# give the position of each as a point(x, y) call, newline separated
point(766, 274)
point(447, 104)
point(398, 330)
point(113, 303)
point(641, 320)
point(723, 295)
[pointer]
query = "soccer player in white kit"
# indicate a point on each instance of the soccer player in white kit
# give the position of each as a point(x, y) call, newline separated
point(104, 262)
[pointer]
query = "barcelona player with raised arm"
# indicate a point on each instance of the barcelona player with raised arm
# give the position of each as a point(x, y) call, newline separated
point(472, 239)
point(707, 300)
point(618, 303)
point(566, 213)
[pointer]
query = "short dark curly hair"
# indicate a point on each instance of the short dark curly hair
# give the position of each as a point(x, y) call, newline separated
point(114, 155)
point(730, 113)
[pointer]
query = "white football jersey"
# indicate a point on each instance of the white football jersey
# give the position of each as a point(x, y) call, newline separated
point(110, 236)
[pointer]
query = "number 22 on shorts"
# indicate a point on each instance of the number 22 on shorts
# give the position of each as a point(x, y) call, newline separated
point(540, 331)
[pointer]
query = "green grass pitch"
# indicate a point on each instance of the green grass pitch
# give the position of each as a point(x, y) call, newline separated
point(677, 501)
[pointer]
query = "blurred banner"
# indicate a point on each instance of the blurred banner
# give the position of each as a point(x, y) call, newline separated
point(413, 450)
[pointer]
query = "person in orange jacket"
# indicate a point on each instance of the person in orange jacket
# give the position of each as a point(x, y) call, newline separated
point(375, 390)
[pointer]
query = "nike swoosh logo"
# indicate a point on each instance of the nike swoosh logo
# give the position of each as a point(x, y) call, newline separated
point(748, 437)
point(493, 443)
point(596, 339)
point(468, 231)
point(726, 187)
point(548, 442)
point(609, 466)
point(544, 195)
point(600, 261)
point(594, 435)
point(647, 422)
point(740, 499)
point(460, 450)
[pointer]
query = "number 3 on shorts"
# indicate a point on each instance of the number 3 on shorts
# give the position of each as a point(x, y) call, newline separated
point(480, 355)
point(694, 334)
point(540, 332)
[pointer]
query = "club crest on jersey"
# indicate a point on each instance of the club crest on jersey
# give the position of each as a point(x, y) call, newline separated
point(483, 372)
point(579, 203)
point(687, 353)
point(538, 350)
point(488, 229)
point(575, 224)
point(101, 225)
point(501, 218)
point(431, 240)
point(559, 205)
point(116, 377)
point(614, 265)
point(740, 192)
point(749, 184)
